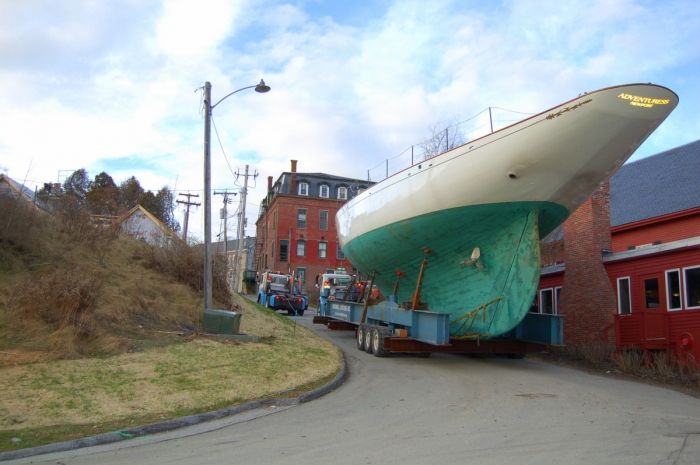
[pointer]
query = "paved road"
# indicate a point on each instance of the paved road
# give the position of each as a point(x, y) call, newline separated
point(442, 410)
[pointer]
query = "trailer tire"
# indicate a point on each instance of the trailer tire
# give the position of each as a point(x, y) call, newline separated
point(360, 337)
point(378, 349)
point(516, 355)
point(367, 341)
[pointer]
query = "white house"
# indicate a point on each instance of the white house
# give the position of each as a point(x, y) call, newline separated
point(141, 224)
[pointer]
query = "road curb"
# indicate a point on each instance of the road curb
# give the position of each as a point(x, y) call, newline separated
point(169, 425)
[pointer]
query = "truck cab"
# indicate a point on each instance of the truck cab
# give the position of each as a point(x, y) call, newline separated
point(276, 291)
point(329, 284)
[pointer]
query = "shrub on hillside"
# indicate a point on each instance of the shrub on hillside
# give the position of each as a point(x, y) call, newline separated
point(57, 307)
point(186, 263)
point(21, 228)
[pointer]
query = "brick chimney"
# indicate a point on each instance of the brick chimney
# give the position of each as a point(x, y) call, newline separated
point(293, 181)
point(269, 184)
point(588, 299)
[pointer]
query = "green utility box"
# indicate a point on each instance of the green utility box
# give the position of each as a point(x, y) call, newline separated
point(217, 321)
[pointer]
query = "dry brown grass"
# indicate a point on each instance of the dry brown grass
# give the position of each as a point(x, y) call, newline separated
point(70, 289)
point(653, 366)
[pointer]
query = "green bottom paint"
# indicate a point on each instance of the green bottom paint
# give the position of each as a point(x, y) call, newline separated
point(487, 298)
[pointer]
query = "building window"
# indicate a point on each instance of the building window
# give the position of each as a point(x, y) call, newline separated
point(324, 191)
point(301, 248)
point(323, 220)
point(303, 188)
point(284, 250)
point(673, 289)
point(301, 218)
point(624, 306)
point(322, 249)
point(547, 301)
point(691, 286)
point(651, 293)
point(557, 299)
point(342, 193)
point(301, 275)
point(339, 253)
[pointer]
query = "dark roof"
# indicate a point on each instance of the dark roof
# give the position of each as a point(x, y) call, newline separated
point(18, 187)
point(315, 180)
point(21, 191)
point(658, 185)
point(328, 177)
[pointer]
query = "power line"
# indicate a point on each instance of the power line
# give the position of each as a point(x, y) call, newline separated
point(188, 203)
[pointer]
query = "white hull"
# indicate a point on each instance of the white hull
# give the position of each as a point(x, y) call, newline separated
point(558, 156)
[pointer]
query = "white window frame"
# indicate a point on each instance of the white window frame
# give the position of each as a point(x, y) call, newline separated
point(339, 255)
point(325, 249)
point(685, 290)
point(320, 223)
point(668, 290)
point(541, 306)
point(303, 188)
point(324, 191)
point(629, 295)
point(306, 218)
point(344, 191)
point(301, 242)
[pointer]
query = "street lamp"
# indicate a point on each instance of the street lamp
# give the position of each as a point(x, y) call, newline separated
point(208, 107)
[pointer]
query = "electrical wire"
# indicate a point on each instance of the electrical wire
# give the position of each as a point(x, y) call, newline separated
point(216, 131)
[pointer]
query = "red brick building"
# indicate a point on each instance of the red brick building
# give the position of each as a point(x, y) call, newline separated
point(296, 230)
point(625, 267)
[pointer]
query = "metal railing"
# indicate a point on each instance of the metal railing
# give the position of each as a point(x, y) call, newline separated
point(485, 122)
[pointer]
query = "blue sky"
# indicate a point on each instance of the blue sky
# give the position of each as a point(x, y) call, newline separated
point(112, 85)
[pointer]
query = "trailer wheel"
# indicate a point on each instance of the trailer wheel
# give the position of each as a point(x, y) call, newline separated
point(378, 343)
point(367, 340)
point(360, 337)
point(516, 355)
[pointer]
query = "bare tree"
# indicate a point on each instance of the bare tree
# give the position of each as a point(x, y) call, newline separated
point(442, 140)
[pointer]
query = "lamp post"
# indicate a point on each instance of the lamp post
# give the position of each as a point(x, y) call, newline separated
point(208, 107)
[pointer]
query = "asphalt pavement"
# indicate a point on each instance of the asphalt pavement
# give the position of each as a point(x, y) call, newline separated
point(444, 409)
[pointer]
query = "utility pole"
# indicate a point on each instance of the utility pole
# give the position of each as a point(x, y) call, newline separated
point(188, 203)
point(208, 108)
point(225, 193)
point(241, 227)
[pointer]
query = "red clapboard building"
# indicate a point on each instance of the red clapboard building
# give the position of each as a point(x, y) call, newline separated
point(296, 231)
point(625, 267)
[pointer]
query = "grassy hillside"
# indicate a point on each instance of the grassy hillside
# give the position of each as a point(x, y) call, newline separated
point(68, 289)
point(99, 332)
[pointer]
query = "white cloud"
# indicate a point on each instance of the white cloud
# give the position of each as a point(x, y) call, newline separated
point(88, 81)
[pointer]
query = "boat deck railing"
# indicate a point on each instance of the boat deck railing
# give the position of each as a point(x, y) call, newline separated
point(483, 123)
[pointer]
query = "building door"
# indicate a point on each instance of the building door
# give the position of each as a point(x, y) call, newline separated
point(653, 303)
point(653, 292)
